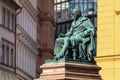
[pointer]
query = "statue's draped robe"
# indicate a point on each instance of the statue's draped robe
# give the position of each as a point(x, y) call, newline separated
point(75, 37)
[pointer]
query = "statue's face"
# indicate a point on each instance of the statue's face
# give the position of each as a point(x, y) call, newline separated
point(76, 13)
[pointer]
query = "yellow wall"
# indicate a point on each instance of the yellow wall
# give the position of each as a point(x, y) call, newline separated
point(108, 39)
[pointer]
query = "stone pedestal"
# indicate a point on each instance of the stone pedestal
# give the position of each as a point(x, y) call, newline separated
point(70, 71)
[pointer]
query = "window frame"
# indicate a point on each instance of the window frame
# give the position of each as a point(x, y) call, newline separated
point(3, 16)
point(8, 19)
point(7, 54)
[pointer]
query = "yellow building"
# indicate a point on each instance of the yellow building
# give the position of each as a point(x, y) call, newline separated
point(108, 39)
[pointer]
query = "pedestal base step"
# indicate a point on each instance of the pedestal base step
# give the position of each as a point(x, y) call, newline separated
point(70, 71)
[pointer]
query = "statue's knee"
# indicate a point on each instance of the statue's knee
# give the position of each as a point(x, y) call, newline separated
point(58, 40)
point(66, 42)
point(66, 39)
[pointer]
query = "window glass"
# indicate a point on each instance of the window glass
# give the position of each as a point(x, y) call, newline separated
point(11, 58)
point(3, 16)
point(63, 8)
point(3, 52)
point(13, 22)
point(8, 19)
point(7, 56)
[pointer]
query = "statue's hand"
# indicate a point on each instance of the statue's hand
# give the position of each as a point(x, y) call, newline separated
point(61, 35)
point(66, 35)
point(88, 32)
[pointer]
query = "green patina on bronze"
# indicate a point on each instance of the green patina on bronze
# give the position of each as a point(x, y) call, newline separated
point(77, 44)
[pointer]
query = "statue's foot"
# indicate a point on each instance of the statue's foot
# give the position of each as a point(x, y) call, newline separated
point(56, 57)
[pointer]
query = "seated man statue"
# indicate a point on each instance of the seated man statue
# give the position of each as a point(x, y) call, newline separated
point(81, 35)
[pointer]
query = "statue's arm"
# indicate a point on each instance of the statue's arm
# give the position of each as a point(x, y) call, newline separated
point(69, 33)
point(61, 35)
point(90, 30)
point(89, 27)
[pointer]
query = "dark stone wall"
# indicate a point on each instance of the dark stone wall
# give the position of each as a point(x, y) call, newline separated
point(45, 31)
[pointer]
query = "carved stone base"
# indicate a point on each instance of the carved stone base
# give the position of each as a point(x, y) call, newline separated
point(70, 71)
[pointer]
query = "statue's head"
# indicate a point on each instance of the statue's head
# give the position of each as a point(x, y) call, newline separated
point(76, 13)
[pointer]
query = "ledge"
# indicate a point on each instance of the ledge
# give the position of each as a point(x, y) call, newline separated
point(72, 71)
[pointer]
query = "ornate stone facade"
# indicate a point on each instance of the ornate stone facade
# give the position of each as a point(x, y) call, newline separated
point(7, 39)
point(26, 43)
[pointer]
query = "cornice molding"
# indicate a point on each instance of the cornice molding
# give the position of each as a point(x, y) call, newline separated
point(29, 7)
point(45, 16)
point(46, 50)
point(6, 68)
point(118, 12)
point(109, 56)
point(24, 75)
point(27, 40)
point(11, 3)
point(6, 29)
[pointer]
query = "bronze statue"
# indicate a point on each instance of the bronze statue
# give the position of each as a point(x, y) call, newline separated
point(80, 37)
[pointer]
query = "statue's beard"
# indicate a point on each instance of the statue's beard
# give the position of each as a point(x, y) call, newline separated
point(76, 16)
